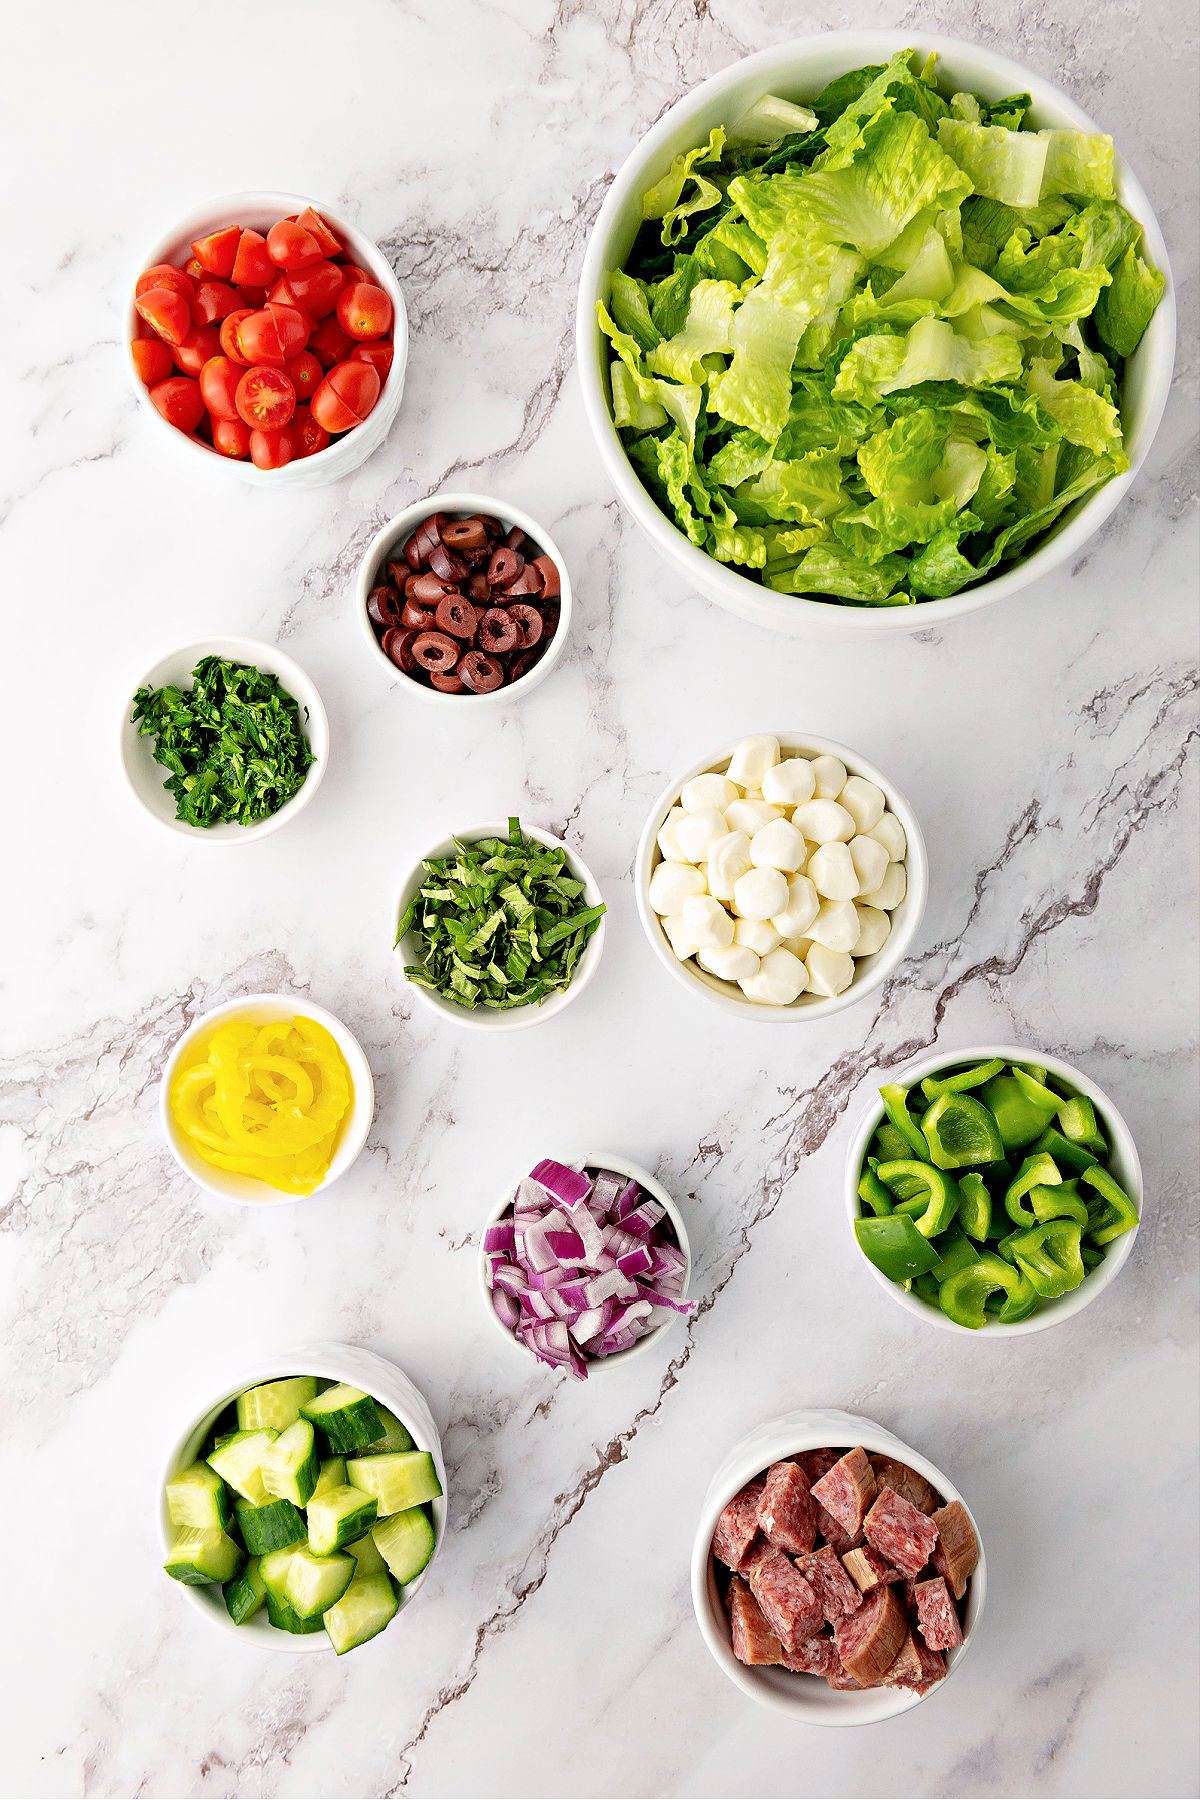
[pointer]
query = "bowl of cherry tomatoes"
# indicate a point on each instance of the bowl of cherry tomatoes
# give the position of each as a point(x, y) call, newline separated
point(269, 334)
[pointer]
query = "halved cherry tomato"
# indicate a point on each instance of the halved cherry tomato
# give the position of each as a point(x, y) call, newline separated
point(219, 380)
point(290, 246)
point(316, 289)
point(151, 359)
point(215, 253)
point(305, 373)
point(273, 335)
point(252, 264)
point(201, 342)
point(179, 401)
point(312, 221)
point(305, 433)
point(330, 344)
point(364, 310)
point(253, 297)
point(229, 336)
point(167, 311)
point(271, 449)
point(213, 300)
point(379, 354)
point(164, 275)
point(195, 270)
point(352, 273)
point(346, 396)
point(265, 398)
point(231, 437)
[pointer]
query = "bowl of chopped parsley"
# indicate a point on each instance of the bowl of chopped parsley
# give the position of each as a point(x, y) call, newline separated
point(499, 926)
point(224, 740)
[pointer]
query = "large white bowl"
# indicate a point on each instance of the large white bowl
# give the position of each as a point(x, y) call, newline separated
point(1123, 1161)
point(483, 1018)
point(258, 211)
point(387, 543)
point(331, 1362)
point(798, 71)
point(145, 777)
point(806, 1697)
point(870, 971)
point(264, 1009)
point(619, 1165)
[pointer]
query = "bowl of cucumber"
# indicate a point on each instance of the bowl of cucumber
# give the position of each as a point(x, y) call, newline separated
point(304, 1506)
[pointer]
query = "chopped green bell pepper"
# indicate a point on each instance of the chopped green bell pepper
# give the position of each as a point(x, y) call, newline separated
point(1077, 1120)
point(1066, 1154)
point(1035, 1171)
point(926, 1288)
point(1114, 1212)
point(895, 1246)
point(873, 1194)
point(1061, 1202)
point(1092, 1255)
point(888, 1144)
point(974, 1205)
point(1049, 1256)
point(934, 1086)
point(964, 1295)
point(956, 1252)
point(895, 1103)
point(960, 1132)
point(940, 1189)
point(1018, 1305)
point(1019, 1114)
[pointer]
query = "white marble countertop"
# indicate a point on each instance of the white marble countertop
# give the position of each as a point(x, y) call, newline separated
point(1044, 744)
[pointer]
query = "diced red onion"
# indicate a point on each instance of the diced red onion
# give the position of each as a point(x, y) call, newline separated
point(499, 1237)
point(507, 1309)
point(636, 1261)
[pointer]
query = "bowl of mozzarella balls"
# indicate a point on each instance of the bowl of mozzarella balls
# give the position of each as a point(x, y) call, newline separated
point(782, 878)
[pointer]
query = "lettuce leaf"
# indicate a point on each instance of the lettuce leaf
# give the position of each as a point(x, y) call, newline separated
point(1127, 307)
point(831, 568)
point(1078, 162)
point(931, 351)
point(706, 331)
point(1002, 165)
point(665, 199)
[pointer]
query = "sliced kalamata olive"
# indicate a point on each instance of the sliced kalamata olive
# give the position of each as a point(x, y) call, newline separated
point(504, 567)
point(515, 538)
point(435, 652)
point(410, 553)
point(479, 612)
point(446, 684)
point(528, 621)
point(529, 581)
point(498, 632)
point(417, 617)
point(521, 664)
point(427, 534)
point(409, 585)
point(492, 526)
point(464, 534)
point(450, 568)
point(398, 645)
point(550, 617)
point(482, 674)
point(547, 568)
point(456, 616)
point(398, 573)
point(479, 588)
point(383, 606)
point(430, 588)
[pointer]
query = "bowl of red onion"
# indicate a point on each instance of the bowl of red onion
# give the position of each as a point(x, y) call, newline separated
point(462, 598)
point(585, 1263)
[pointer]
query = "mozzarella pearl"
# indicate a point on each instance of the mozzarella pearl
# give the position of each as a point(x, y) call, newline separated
point(870, 861)
point(790, 782)
point(733, 963)
point(829, 776)
point(707, 923)
point(728, 858)
point(835, 926)
point(758, 935)
point(780, 980)
point(831, 871)
point(666, 835)
point(890, 833)
point(874, 928)
point(671, 884)
point(751, 815)
point(822, 822)
point(830, 972)
point(779, 846)
point(703, 791)
point(751, 760)
point(891, 889)
point(760, 894)
point(697, 832)
point(678, 936)
point(862, 800)
point(803, 904)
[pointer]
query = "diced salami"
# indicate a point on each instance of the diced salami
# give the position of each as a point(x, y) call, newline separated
point(937, 1616)
point(828, 1580)
point(847, 1490)
point(904, 1481)
point(787, 1512)
point(869, 1640)
point(759, 1548)
point(829, 1529)
point(933, 1664)
point(906, 1669)
point(738, 1523)
point(957, 1549)
point(899, 1532)
point(792, 1609)
point(867, 1569)
point(754, 1643)
point(843, 1682)
point(816, 1656)
point(816, 1463)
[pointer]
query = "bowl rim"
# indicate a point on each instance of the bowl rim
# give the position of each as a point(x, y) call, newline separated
point(224, 1184)
point(806, 1008)
point(736, 592)
point(352, 1364)
point(521, 1017)
point(323, 463)
point(812, 1428)
point(1053, 1312)
point(617, 1165)
point(400, 527)
point(269, 659)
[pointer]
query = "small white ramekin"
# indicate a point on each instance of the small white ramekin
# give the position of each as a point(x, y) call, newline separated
point(869, 973)
point(806, 1697)
point(362, 1369)
point(258, 211)
point(619, 1165)
point(484, 1018)
point(387, 544)
point(145, 777)
point(263, 1009)
point(1123, 1159)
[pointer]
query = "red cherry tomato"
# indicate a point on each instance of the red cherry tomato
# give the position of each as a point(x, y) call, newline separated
point(330, 344)
point(379, 355)
point(179, 401)
point(201, 342)
point(305, 373)
point(219, 380)
point(313, 222)
point(163, 275)
point(195, 270)
point(346, 396)
point(229, 336)
point(231, 437)
point(215, 253)
point(316, 289)
point(273, 335)
point(290, 246)
point(305, 433)
point(252, 264)
point(271, 449)
point(213, 300)
point(252, 297)
point(167, 312)
point(352, 273)
point(151, 359)
point(265, 398)
point(364, 310)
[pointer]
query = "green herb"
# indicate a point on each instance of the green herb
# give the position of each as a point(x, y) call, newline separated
point(500, 923)
point(232, 742)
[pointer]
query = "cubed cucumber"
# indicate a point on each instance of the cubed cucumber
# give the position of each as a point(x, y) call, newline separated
point(273, 1569)
point(198, 1497)
point(405, 1541)
point(239, 1462)
point(276, 1404)
point(395, 1436)
point(281, 1615)
point(270, 1527)
point(312, 1584)
point(290, 1467)
point(197, 1557)
point(244, 1596)
point(348, 1418)
point(338, 1517)
point(333, 1475)
point(366, 1556)
point(397, 1480)
point(367, 1605)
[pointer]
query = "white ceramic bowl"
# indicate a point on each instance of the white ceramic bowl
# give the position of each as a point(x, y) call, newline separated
point(1123, 1162)
point(262, 1009)
point(798, 71)
point(258, 211)
point(387, 543)
point(331, 1362)
point(620, 1165)
point(870, 971)
point(806, 1697)
point(484, 1018)
point(145, 777)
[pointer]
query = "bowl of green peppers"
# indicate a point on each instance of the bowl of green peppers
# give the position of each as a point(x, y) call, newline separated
point(994, 1189)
